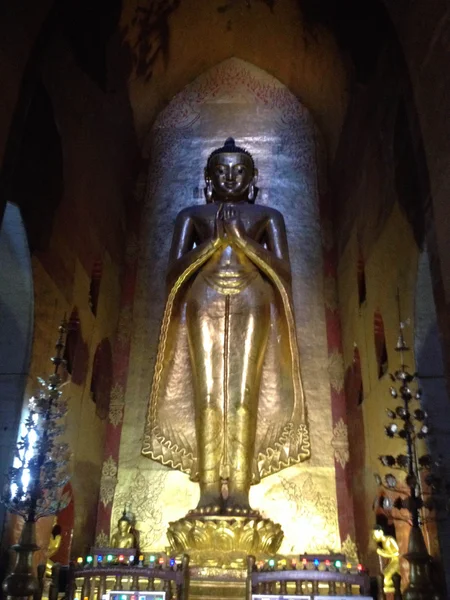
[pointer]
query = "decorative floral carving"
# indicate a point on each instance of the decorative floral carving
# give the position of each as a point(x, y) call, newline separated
point(225, 535)
point(144, 490)
point(115, 415)
point(312, 505)
point(350, 550)
point(117, 395)
point(336, 370)
point(108, 481)
point(116, 405)
point(102, 540)
point(340, 443)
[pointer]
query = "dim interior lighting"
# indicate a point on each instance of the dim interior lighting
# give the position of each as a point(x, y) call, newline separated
point(338, 564)
point(271, 562)
point(99, 558)
point(121, 559)
point(80, 560)
point(109, 557)
point(316, 562)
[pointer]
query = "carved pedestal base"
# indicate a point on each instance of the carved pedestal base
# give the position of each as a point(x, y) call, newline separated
point(224, 540)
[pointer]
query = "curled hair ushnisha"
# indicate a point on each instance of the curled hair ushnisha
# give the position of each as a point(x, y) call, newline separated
point(230, 146)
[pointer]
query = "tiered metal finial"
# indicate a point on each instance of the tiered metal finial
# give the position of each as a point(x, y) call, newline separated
point(39, 473)
point(409, 423)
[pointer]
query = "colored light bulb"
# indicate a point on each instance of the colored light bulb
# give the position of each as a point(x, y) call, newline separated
point(360, 567)
point(337, 564)
point(121, 558)
point(316, 562)
point(141, 557)
point(89, 559)
point(349, 565)
point(172, 562)
point(271, 562)
point(100, 558)
point(109, 557)
point(80, 560)
point(152, 558)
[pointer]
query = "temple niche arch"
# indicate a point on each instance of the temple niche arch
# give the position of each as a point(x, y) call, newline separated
point(237, 99)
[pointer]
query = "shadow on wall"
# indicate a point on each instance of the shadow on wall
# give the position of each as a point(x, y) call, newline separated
point(16, 330)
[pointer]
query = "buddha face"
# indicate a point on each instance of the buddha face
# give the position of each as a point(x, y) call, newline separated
point(123, 527)
point(231, 174)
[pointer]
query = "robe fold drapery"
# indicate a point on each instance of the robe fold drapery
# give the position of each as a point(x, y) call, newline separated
point(282, 437)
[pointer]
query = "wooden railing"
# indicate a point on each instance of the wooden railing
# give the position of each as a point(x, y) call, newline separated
point(304, 582)
point(93, 582)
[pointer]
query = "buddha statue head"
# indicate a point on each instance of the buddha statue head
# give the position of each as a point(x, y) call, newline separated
point(230, 174)
point(124, 524)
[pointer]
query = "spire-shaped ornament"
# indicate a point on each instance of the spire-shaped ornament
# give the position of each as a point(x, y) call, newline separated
point(39, 472)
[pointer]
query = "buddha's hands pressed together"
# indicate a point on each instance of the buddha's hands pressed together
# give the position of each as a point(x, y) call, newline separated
point(232, 222)
point(219, 230)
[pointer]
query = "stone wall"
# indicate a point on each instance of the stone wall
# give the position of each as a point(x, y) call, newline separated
point(81, 235)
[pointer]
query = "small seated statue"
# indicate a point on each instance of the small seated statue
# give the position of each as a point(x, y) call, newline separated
point(123, 538)
point(389, 550)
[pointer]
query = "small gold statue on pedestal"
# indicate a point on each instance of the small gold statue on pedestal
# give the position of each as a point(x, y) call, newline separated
point(388, 550)
point(124, 537)
point(227, 404)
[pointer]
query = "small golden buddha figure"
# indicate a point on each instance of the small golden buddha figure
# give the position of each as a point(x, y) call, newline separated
point(123, 538)
point(53, 546)
point(227, 404)
point(388, 550)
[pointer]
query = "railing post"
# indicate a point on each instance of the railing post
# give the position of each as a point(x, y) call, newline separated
point(102, 587)
point(117, 584)
point(250, 568)
point(185, 571)
point(54, 583)
point(40, 578)
point(71, 587)
point(86, 588)
point(167, 587)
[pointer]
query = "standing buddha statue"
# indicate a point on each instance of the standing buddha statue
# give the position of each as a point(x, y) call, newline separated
point(227, 404)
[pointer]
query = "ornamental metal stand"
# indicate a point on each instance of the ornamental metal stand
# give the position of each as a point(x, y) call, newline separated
point(38, 475)
point(409, 424)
